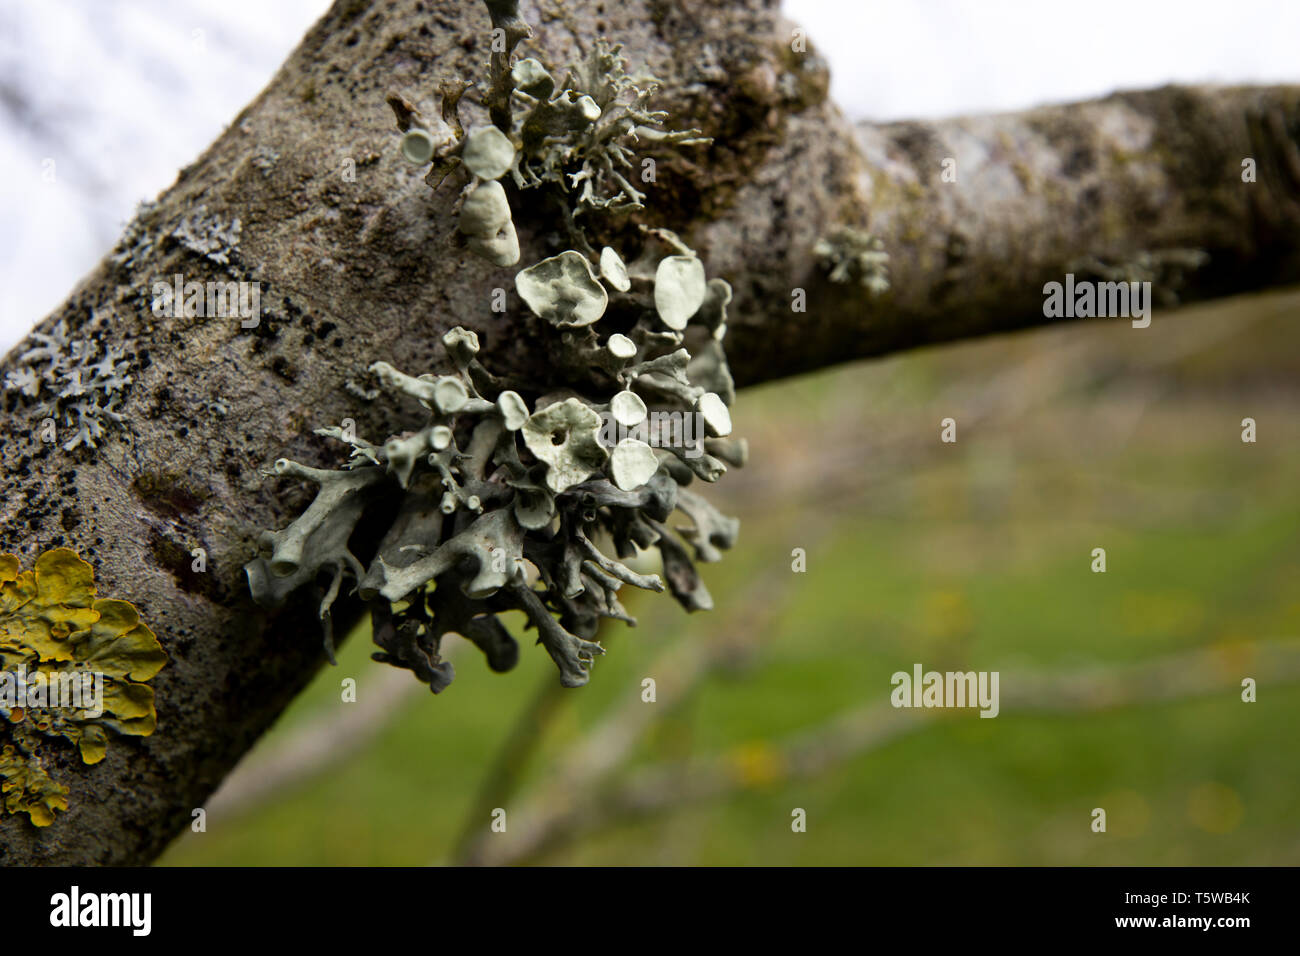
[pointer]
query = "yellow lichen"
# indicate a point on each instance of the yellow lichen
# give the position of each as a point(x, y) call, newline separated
point(71, 666)
point(27, 788)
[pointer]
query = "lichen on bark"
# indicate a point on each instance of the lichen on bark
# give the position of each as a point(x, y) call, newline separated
point(72, 667)
point(504, 496)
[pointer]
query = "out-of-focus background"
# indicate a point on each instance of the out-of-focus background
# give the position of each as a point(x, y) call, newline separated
point(1119, 690)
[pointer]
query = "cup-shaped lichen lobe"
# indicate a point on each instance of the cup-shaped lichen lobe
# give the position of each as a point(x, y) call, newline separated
point(488, 153)
point(563, 290)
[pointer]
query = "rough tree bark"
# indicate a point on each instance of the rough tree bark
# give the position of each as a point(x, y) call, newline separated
point(354, 271)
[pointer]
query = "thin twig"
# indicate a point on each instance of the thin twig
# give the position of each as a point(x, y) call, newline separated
point(671, 786)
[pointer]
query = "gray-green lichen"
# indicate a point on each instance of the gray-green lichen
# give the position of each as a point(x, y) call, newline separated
point(576, 137)
point(213, 236)
point(537, 501)
point(209, 235)
point(854, 255)
point(77, 382)
point(579, 134)
point(1166, 269)
point(563, 290)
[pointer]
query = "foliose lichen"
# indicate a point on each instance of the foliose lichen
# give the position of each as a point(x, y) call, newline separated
point(1168, 270)
point(58, 641)
point(213, 236)
point(73, 380)
point(854, 255)
point(208, 234)
point(576, 137)
point(519, 497)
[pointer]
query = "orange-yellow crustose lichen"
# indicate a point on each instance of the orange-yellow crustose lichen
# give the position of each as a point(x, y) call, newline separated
point(71, 666)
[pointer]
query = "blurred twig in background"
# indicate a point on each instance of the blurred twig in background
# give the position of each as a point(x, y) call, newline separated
point(315, 747)
point(603, 749)
point(503, 776)
point(555, 817)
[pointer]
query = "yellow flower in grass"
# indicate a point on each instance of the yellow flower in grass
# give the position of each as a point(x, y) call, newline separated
point(757, 764)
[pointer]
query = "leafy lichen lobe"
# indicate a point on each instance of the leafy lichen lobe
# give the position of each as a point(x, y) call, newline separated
point(58, 640)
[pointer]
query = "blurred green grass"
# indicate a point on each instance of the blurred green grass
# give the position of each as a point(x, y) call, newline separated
point(974, 555)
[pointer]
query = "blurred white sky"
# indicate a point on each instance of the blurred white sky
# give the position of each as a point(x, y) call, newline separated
point(121, 93)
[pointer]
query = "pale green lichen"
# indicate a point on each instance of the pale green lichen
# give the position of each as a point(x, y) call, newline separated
point(854, 255)
point(613, 270)
point(504, 492)
point(566, 436)
point(581, 136)
point(418, 147)
point(54, 632)
point(632, 463)
point(488, 153)
point(628, 408)
point(563, 290)
point(74, 380)
point(208, 234)
point(1166, 269)
point(680, 287)
point(578, 137)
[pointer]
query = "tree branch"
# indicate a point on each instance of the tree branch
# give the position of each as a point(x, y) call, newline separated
point(1136, 184)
